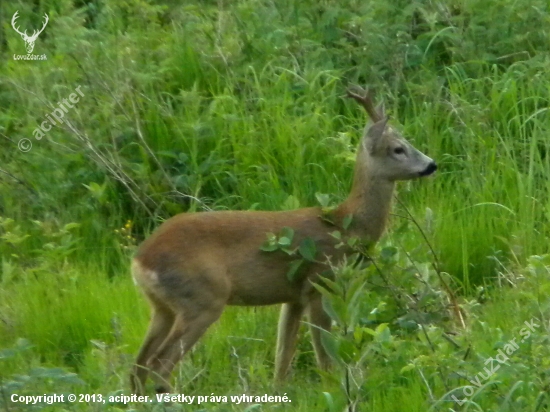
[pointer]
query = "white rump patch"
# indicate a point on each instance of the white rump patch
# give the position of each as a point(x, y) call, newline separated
point(141, 275)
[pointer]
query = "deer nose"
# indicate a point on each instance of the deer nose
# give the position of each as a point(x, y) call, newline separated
point(432, 167)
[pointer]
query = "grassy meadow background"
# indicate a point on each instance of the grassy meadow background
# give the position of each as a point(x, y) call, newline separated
point(198, 105)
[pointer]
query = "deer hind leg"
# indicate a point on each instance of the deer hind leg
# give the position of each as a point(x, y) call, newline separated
point(319, 321)
point(289, 323)
point(189, 325)
point(162, 320)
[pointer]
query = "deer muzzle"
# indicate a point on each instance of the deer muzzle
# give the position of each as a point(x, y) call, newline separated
point(432, 167)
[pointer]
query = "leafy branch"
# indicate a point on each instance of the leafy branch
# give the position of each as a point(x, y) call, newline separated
point(304, 252)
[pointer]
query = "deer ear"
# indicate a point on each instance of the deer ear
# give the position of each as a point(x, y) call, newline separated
point(374, 133)
point(377, 129)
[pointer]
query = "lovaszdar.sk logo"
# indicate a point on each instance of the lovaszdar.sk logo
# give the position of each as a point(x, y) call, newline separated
point(29, 39)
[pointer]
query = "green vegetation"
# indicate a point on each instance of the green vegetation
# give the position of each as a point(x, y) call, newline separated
point(197, 105)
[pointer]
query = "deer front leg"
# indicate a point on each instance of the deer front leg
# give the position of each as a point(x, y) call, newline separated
point(289, 323)
point(319, 320)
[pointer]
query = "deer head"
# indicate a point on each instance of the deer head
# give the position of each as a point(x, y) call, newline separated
point(29, 40)
point(383, 152)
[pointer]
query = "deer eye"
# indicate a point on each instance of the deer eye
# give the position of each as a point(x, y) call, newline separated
point(399, 150)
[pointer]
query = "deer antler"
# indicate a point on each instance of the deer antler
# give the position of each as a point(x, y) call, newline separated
point(35, 32)
point(364, 98)
point(15, 16)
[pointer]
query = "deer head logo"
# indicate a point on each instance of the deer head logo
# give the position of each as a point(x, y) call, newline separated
point(29, 40)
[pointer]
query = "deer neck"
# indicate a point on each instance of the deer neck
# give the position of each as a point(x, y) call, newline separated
point(369, 204)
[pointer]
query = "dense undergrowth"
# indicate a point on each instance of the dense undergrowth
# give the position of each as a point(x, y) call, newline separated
point(238, 105)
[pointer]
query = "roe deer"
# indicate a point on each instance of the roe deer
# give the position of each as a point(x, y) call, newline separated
point(196, 263)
